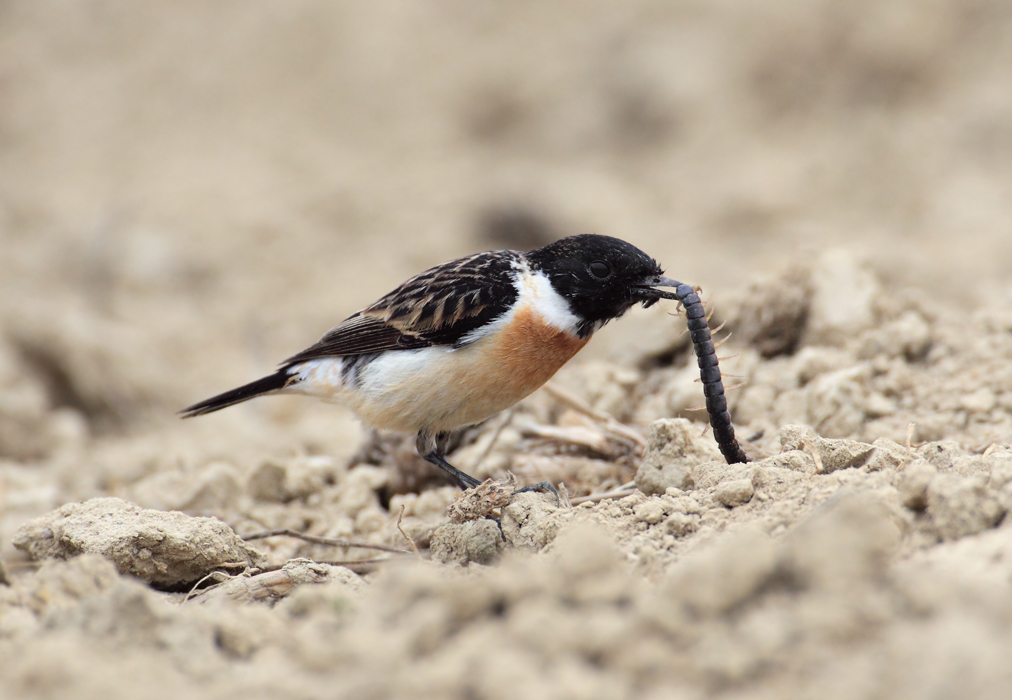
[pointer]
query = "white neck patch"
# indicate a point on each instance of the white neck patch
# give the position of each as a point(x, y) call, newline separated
point(535, 289)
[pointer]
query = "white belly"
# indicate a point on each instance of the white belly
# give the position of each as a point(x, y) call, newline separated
point(440, 388)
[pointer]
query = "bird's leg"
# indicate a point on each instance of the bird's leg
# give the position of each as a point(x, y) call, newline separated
point(431, 448)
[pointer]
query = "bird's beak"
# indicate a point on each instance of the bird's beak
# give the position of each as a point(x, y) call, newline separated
point(646, 288)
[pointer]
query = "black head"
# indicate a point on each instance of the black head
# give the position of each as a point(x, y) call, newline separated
point(601, 277)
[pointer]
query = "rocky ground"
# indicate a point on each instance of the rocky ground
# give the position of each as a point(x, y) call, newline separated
point(191, 193)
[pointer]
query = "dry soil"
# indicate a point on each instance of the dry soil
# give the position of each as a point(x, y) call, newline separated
point(191, 191)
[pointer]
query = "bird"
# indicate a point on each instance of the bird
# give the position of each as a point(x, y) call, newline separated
point(462, 341)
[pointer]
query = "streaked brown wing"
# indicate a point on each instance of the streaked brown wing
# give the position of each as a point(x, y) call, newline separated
point(446, 302)
point(436, 307)
point(358, 335)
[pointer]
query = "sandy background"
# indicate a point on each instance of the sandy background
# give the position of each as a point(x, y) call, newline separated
point(189, 193)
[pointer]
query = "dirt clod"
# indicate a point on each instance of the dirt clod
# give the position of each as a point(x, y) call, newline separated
point(478, 541)
point(529, 521)
point(482, 500)
point(914, 482)
point(961, 506)
point(833, 454)
point(674, 447)
point(735, 493)
point(168, 550)
point(1000, 467)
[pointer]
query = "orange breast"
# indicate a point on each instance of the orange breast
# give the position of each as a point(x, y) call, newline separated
point(530, 352)
point(436, 389)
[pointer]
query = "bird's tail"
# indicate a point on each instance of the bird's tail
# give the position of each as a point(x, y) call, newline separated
point(266, 385)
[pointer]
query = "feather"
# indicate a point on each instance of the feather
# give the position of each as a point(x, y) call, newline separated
point(437, 307)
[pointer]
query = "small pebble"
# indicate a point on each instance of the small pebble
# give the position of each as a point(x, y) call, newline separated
point(735, 493)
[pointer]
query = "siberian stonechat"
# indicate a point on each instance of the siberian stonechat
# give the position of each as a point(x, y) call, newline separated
point(464, 340)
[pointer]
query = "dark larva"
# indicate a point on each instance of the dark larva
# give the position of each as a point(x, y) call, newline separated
point(709, 373)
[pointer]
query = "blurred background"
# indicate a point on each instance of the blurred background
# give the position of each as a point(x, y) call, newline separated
point(192, 191)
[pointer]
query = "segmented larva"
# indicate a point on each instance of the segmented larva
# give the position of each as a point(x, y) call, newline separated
point(709, 374)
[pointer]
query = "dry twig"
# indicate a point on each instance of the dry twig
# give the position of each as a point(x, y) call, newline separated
point(218, 576)
point(414, 547)
point(815, 456)
point(326, 541)
point(593, 436)
point(607, 421)
point(620, 492)
point(564, 496)
point(359, 566)
point(268, 585)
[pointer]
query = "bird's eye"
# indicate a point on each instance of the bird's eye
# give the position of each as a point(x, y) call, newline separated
point(600, 269)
